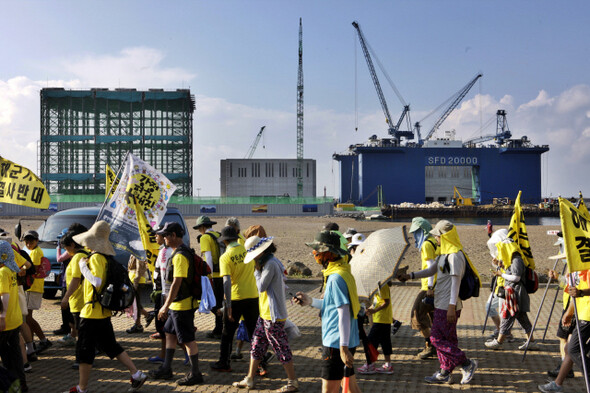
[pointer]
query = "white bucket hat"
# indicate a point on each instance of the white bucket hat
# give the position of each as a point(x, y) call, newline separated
point(255, 246)
point(97, 238)
point(357, 239)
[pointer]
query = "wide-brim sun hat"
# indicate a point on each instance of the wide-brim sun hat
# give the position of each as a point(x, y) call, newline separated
point(204, 220)
point(441, 227)
point(420, 223)
point(255, 246)
point(228, 233)
point(350, 232)
point(357, 240)
point(327, 241)
point(97, 238)
point(7, 256)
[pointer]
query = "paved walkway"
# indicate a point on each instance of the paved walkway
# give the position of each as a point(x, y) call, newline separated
point(499, 371)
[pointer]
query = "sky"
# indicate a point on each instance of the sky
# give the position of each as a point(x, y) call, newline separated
point(240, 59)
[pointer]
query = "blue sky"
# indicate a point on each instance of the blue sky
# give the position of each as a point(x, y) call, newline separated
point(240, 60)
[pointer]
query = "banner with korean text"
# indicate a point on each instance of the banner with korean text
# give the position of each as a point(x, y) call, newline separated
point(576, 236)
point(20, 186)
point(148, 237)
point(110, 178)
point(517, 232)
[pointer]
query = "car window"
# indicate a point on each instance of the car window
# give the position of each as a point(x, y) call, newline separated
point(57, 223)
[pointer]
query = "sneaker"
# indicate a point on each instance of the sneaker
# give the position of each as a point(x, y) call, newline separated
point(156, 336)
point(155, 359)
point(533, 346)
point(395, 327)
point(550, 387)
point(387, 368)
point(62, 330)
point(246, 383)
point(190, 379)
point(27, 367)
point(262, 371)
point(367, 369)
point(135, 329)
point(150, 317)
point(494, 344)
point(161, 373)
point(437, 377)
point(73, 389)
point(136, 383)
point(468, 372)
point(67, 341)
point(44, 345)
point(220, 366)
point(555, 372)
point(236, 356)
point(428, 352)
point(214, 335)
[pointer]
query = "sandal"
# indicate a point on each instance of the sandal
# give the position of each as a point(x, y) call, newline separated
point(291, 386)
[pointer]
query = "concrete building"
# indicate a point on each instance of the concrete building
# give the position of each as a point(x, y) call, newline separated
point(266, 177)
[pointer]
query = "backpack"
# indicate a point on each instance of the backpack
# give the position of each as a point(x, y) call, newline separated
point(470, 283)
point(43, 269)
point(531, 280)
point(117, 292)
point(29, 278)
point(220, 247)
point(191, 287)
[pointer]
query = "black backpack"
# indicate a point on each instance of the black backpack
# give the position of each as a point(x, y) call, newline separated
point(117, 292)
point(531, 280)
point(190, 287)
point(470, 283)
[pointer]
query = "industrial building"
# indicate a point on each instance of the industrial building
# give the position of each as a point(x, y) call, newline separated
point(267, 177)
point(84, 130)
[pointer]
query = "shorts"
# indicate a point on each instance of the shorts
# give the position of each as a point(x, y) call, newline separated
point(96, 333)
point(22, 301)
point(422, 314)
point(563, 331)
point(332, 366)
point(181, 324)
point(380, 334)
point(493, 304)
point(34, 300)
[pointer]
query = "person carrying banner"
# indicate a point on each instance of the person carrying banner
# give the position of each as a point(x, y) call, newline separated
point(450, 267)
point(507, 254)
point(210, 252)
point(423, 308)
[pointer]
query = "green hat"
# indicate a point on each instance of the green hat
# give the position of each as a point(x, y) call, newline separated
point(420, 223)
point(327, 241)
point(204, 220)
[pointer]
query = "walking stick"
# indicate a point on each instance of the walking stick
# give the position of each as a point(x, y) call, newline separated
point(553, 305)
point(346, 379)
point(485, 322)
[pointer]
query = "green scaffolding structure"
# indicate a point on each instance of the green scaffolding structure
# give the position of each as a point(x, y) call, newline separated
point(84, 130)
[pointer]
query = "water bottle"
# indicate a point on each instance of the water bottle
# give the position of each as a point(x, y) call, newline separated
point(108, 294)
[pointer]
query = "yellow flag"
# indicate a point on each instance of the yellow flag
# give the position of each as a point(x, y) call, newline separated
point(110, 176)
point(517, 232)
point(582, 207)
point(148, 236)
point(576, 236)
point(20, 186)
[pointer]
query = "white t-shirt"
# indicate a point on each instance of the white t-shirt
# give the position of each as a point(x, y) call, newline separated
point(161, 264)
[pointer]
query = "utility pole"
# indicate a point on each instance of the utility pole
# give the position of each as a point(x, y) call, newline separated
point(300, 115)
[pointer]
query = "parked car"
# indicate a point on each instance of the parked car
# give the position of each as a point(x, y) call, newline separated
point(53, 226)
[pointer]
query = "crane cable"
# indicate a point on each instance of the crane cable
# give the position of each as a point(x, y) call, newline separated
point(356, 109)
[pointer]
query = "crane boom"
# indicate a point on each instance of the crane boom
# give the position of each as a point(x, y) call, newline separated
point(252, 148)
point(393, 130)
point(458, 98)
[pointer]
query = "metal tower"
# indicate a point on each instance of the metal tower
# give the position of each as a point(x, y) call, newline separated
point(83, 130)
point(300, 115)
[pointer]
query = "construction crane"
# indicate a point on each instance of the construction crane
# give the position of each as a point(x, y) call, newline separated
point(393, 129)
point(252, 148)
point(300, 115)
point(502, 132)
point(457, 98)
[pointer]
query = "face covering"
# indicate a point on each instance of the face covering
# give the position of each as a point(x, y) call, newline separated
point(419, 238)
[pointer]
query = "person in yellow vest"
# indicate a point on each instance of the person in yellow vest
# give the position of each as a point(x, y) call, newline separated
point(10, 315)
point(241, 295)
point(35, 293)
point(423, 308)
point(211, 252)
point(579, 289)
point(96, 329)
point(270, 328)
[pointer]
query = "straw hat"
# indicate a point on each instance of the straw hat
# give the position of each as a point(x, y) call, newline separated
point(255, 246)
point(255, 230)
point(97, 238)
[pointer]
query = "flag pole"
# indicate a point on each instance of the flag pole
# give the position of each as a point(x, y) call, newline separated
point(113, 184)
point(485, 322)
point(553, 305)
point(539, 312)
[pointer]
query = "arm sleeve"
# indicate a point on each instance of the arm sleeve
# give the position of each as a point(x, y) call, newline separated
point(5, 300)
point(344, 324)
point(455, 284)
point(265, 277)
point(431, 262)
point(227, 290)
point(317, 303)
point(85, 270)
point(430, 271)
point(208, 259)
point(516, 271)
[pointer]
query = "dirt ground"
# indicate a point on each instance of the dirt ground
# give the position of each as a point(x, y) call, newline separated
point(291, 233)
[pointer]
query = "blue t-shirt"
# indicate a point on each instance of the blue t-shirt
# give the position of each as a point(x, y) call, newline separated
point(336, 295)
